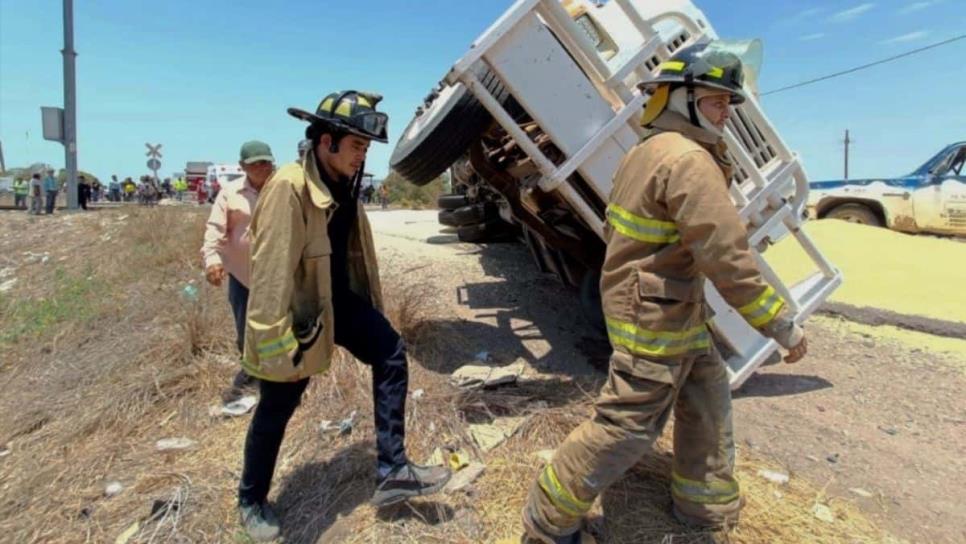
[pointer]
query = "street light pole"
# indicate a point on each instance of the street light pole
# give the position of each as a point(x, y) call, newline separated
point(70, 105)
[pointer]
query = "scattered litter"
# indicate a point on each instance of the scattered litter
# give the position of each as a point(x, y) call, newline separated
point(775, 477)
point(44, 259)
point(891, 431)
point(326, 426)
point(113, 488)
point(190, 292)
point(464, 477)
point(458, 460)
point(169, 444)
point(861, 492)
point(132, 530)
point(4, 451)
point(823, 513)
point(235, 408)
point(544, 455)
point(476, 376)
point(491, 435)
point(418, 394)
point(482, 356)
point(345, 426)
point(833, 458)
point(7, 285)
point(812, 458)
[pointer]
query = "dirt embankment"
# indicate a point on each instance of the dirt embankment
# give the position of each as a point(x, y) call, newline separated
point(114, 350)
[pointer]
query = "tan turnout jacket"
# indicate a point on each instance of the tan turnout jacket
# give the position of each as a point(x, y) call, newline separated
point(289, 333)
point(670, 224)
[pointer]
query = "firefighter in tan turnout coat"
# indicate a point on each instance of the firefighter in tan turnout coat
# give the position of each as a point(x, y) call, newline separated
point(671, 224)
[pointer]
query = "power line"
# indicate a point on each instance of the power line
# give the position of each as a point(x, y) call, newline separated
point(864, 66)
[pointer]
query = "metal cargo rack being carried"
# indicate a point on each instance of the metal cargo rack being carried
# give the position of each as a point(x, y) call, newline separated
point(541, 111)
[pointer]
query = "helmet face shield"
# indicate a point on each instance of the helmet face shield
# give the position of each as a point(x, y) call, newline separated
point(738, 62)
point(374, 123)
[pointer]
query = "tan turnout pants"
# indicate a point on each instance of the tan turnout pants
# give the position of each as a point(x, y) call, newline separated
point(631, 411)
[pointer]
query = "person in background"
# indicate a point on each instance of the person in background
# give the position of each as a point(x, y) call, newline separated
point(180, 186)
point(36, 194)
point(83, 192)
point(20, 191)
point(384, 196)
point(226, 246)
point(96, 190)
point(129, 189)
point(166, 188)
point(51, 188)
point(114, 189)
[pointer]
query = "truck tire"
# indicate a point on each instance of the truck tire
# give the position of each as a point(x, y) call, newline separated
point(439, 136)
point(855, 213)
point(471, 215)
point(451, 202)
point(493, 230)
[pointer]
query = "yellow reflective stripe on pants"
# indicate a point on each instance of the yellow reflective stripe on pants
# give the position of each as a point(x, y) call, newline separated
point(640, 228)
point(703, 492)
point(657, 343)
point(277, 346)
point(763, 309)
point(253, 370)
point(561, 498)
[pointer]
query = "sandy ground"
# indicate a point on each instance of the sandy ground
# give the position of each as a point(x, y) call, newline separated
point(874, 413)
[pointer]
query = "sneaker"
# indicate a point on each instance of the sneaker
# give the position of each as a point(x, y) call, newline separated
point(410, 480)
point(259, 521)
point(242, 383)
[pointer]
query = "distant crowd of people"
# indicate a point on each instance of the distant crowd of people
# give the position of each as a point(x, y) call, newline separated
point(38, 193)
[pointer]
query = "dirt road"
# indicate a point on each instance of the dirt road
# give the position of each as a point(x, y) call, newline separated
point(876, 417)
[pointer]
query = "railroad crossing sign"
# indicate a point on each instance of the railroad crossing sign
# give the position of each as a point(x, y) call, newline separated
point(154, 163)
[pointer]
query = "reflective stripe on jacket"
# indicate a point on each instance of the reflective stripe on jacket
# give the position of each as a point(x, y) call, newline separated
point(671, 223)
point(289, 333)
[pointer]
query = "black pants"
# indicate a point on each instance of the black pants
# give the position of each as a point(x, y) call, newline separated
point(238, 298)
point(369, 336)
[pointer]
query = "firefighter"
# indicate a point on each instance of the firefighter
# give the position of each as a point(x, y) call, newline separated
point(314, 285)
point(671, 224)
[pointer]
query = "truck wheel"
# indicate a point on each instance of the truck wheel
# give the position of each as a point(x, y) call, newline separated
point(471, 215)
point(855, 213)
point(440, 134)
point(494, 230)
point(451, 202)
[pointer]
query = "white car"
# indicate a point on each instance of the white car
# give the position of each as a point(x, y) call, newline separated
point(932, 199)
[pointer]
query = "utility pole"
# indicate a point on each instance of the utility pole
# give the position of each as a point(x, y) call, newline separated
point(847, 143)
point(70, 105)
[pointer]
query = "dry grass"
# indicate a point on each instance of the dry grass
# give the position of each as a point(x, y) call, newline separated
point(84, 402)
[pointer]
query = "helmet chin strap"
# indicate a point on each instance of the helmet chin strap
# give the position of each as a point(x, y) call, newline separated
point(692, 101)
point(685, 102)
point(357, 184)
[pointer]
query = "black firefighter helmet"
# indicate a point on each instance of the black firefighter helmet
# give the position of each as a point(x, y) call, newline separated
point(351, 112)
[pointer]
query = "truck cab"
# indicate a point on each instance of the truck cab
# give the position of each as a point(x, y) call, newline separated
point(931, 199)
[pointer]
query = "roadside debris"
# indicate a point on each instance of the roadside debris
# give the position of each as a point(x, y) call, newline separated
point(113, 488)
point(126, 535)
point(861, 492)
point(344, 427)
point(891, 431)
point(491, 435)
point(235, 408)
point(190, 292)
point(477, 376)
point(544, 456)
point(775, 477)
point(418, 394)
point(464, 477)
point(833, 458)
point(172, 444)
point(823, 513)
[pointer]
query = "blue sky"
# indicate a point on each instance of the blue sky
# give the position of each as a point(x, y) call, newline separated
point(202, 77)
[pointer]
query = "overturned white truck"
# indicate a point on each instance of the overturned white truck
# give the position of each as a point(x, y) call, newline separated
point(534, 120)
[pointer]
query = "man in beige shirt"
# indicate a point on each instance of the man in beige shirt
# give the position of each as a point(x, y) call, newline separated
point(226, 246)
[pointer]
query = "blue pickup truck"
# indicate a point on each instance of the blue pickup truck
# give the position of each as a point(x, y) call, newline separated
point(932, 199)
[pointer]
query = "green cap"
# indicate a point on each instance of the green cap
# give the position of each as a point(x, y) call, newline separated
point(255, 151)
